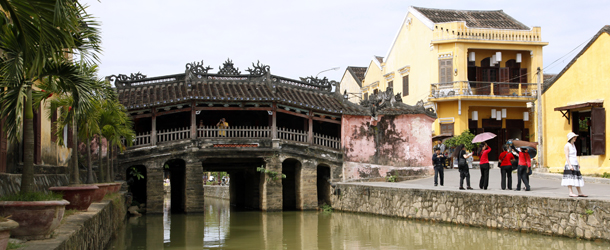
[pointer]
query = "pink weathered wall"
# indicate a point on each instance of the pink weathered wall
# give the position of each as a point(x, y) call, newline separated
point(400, 141)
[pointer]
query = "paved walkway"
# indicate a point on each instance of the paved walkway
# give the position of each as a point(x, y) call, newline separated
point(541, 185)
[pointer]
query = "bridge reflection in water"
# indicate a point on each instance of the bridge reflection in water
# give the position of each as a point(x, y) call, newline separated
point(221, 227)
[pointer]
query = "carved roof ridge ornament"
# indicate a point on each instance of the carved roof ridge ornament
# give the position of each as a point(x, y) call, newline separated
point(115, 79)
point(259, 69)
point(196, 69)
point(228, 69)
point(324, 84)
point(381, 100)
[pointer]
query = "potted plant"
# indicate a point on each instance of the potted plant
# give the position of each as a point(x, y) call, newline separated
point(80, 197)
point(5, 231)
point(38, 214)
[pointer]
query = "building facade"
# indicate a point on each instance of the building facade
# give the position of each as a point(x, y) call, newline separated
point(477, 69)
point(574, 101)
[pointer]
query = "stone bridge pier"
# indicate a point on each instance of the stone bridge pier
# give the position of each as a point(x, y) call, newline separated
point(308, 174)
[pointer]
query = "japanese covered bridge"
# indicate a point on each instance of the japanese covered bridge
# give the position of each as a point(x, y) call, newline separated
point(295, 127)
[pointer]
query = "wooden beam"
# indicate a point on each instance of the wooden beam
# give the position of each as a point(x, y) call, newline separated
point(173, 111)
point(235, 108)
point(293, 113)
point(141, 116)
point(326, 120)
point(274, 122)
point(310, 127)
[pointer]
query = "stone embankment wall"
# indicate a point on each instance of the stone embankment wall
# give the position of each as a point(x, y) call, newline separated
point(11, 183)
point(221, 192)
point(580, 218)
point(86, 230)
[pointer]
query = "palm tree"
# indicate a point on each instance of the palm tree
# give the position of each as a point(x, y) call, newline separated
point(34, 40)
point(115, 125)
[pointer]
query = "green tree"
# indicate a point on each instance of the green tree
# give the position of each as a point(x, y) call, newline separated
point(464, 138)
point(37, 37)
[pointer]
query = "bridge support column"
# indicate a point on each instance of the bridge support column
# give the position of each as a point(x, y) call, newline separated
point(155, 193)
point(308, 187)
point(194, 187)
point(271, 190)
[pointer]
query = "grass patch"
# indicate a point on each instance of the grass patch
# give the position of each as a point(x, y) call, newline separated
point(326, 208)
point(606, 175)
point(115, 198)
point(68, 213)
point(33, 196)
point(13, 246)
point(391, 178)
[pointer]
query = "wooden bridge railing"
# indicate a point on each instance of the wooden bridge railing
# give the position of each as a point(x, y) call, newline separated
point(238, 132)
point(326, 141)
point(173, 134)
point(234, 132)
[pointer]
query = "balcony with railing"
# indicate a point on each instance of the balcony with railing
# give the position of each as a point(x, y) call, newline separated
point(238, 132)
point(459, 31)
point(483, 90)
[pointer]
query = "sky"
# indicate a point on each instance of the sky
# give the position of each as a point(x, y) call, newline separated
point(303, 38)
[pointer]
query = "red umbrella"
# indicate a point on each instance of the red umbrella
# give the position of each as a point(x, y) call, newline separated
point(483, 137)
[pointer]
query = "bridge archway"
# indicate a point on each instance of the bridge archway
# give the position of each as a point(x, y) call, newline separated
point(137, 186)
point(291, 192)
point(245, 184)
point(176, 169)
point(323, 184)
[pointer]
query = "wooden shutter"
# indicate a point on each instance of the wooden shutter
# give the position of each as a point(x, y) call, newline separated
point(445, 70)
point(70, 137)
point(525, 134)
point(366, 96)
point(598, 131)
point(504, 74)
point(405, 85)
point(523, 75)
point(53, 126)
point(3, 147)
point(37, 135)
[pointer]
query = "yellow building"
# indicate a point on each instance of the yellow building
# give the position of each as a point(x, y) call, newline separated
point(351, 82)
point(574, 101)
point(464, 64)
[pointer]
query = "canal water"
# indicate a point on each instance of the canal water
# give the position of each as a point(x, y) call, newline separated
point(222, 227)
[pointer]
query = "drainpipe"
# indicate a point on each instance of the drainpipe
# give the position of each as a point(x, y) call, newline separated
point(539, 103)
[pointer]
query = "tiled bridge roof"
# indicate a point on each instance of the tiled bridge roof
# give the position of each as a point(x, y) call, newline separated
point(136, 92)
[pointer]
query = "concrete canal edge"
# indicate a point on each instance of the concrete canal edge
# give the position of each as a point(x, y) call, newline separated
point(86, 230)
point(575, 218)
point(221, 192)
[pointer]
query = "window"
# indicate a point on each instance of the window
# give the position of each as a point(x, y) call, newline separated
point(375, 91)
point(445, 70)
point(405, 85)
point(366, 96)
point(591, 129)
point(447, 128)
point(391, 84)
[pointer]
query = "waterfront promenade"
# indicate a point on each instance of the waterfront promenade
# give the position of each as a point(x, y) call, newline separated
point(542, 185)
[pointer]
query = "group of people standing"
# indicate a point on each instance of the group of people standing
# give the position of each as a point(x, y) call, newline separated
point(510, 159)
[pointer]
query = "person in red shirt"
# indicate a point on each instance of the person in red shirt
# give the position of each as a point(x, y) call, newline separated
point(522, 170)
point(484, 166)
point(506, 168)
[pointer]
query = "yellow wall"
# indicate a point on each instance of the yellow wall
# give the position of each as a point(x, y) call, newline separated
point(351, 85)
point(514, 110)
point(587, 79)
point(373, 74)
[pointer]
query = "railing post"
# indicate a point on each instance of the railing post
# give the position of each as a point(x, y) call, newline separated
point(153, 133)
point(310, 132)
point(273, 122)
point(193, 121)
point(519, 89)
point(491, 88)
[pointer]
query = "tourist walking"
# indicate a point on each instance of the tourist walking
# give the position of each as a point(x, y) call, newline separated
point(523, 168)
point(506, 168)
point(461, 155)
point(438, 160)
point(484, 166)
point(571, 171)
